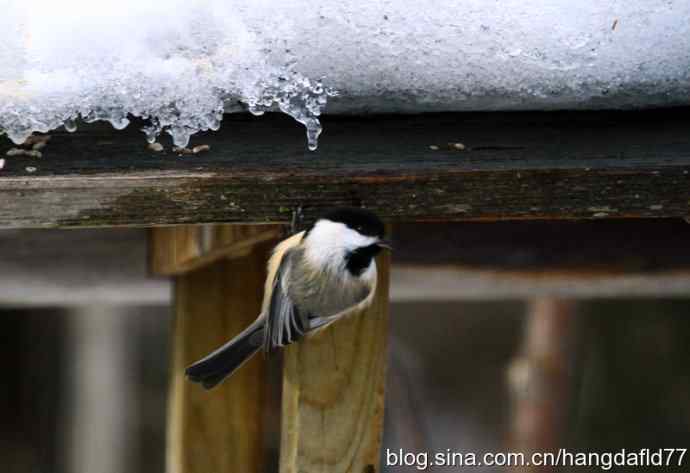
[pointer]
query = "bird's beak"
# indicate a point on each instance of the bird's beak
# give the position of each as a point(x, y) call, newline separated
point(385, 244)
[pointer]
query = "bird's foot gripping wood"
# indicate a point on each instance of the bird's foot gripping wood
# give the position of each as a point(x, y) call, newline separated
point(297, 220)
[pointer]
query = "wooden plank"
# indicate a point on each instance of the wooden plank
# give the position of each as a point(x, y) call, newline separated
point(434, 283)
point(514, 166)
point(54, 268)
point(100, 346)
point(542, 380)
point(182, 248)
point(333, 393)
point(580, 248)
point(219, 430)
point(503, 260)
point(434, 261)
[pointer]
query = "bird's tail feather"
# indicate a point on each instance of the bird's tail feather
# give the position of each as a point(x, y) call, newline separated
point(214, 368)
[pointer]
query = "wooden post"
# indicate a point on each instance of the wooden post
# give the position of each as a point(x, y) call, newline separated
point(101, 389)
point(541, 379)
point(333, 393)
point(333, 383)
point(180, 249)
point(220, 430)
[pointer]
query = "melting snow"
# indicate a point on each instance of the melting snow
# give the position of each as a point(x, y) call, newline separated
point(182, 63)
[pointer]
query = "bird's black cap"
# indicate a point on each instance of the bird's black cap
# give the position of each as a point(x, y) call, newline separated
point(361, 220)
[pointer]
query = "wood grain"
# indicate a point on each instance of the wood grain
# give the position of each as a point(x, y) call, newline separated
point(515, 166)
point(219, 430)
point(333, 393)
point(182, 248)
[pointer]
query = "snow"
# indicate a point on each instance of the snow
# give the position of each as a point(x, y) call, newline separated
point(181, 63)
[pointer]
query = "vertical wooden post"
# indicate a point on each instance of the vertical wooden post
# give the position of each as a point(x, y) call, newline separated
point(102, 390)
point(333, 393)
point(541, 378)
point(220, 430)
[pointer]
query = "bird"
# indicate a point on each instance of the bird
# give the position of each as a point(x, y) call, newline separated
point(315, 277)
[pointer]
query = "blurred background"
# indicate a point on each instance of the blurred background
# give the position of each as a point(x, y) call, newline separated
point(85, 356)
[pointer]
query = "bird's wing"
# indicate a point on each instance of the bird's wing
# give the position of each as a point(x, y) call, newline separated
point(284, 323)
point(317, 323)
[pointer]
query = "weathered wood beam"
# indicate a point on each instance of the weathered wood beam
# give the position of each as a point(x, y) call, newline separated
point(333, 393)
point(219, 430)
point(183, 248)
point(461, 260)
point(514, 166)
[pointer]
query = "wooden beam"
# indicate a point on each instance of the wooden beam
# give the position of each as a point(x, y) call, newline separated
point(219, 430)
point(433, 261)
point(183, 248)
point(579, 248)
point(100, 361)
point(542, 379)
point(502, 260)
point(578, 165)
point(59, 268)
point(333, 393)
point(434, 283)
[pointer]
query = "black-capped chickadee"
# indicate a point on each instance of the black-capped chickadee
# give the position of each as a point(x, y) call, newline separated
point(315, 277)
